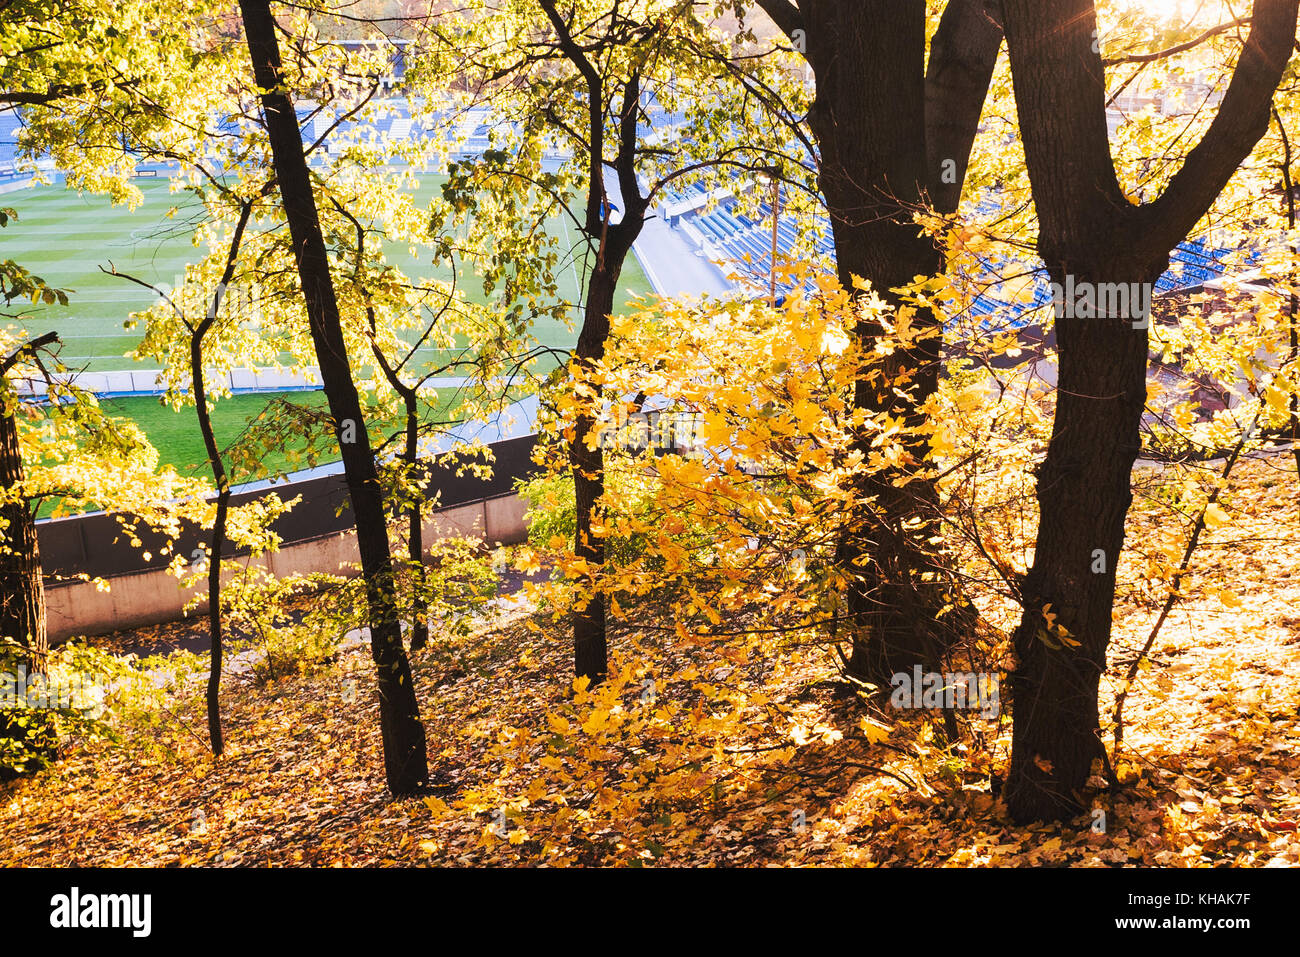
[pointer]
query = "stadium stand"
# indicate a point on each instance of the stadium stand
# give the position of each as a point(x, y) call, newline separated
point(743, 244)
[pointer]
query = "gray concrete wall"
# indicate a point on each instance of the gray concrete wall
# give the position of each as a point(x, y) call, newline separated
point(154, 597)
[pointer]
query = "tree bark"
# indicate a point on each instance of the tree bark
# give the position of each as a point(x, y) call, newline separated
point(1091, 233)
point(588, 464)
point(1083, 497)
point(217, 544)
point(22, 588)
point(405, 759)
point(415, 527)
point(611, 243)
point(219, 477)
point(894, 139)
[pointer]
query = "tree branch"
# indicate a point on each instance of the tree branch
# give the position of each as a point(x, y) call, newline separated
point(787, 17)
point(27, 349)
point(1241, 120)
point(963, 53)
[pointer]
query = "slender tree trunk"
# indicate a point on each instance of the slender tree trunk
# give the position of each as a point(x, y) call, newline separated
point(22, 588)
point(218, 541)
point(405, 760)
point(219, 477)
point(612, 242)
point(589, 644)
point(415, 531)
point(1293, 303)
point(1294, 358)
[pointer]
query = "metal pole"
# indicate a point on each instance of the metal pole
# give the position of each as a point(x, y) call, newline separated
point(776, 207)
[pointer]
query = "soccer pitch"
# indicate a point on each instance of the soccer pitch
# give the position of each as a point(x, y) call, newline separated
point(65, 237)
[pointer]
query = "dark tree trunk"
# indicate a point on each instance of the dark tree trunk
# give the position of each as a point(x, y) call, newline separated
point(415, 530)
point(219, 476)
point(214, 619)
point(611, 243)
point(22, 590)
point(216, 547)
point(588, 464)
point(1091, 233)
point(1083, 497)
point(869, 121)
point(405, 759)
point(895, 136)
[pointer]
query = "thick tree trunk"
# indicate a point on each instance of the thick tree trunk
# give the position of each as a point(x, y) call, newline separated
point(874, 175)
point(1090, 233)
point(895, 134)
point(22, 588)
point(1083, 495)
point(403, 733)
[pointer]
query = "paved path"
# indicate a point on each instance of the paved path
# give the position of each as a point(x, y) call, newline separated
point(672, 266)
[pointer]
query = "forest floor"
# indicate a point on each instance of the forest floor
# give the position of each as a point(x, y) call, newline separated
point(1209, 768)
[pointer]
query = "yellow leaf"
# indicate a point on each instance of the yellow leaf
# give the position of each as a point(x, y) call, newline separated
point(1215, 516)
point(597, 722)
point(874, 733)
point(1229, 599)
point(558, 724)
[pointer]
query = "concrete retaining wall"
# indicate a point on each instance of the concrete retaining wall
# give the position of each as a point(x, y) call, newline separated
point(154, 596)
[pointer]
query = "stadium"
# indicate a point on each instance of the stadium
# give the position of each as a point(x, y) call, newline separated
point(699, 242)
point(573, 419)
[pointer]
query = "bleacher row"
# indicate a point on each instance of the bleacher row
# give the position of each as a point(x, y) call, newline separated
point(744, 245)
point(744, 242)
point(10, 123)
point(1191, 264)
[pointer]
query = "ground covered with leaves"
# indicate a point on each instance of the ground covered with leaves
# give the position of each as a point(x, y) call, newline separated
point(704, 751)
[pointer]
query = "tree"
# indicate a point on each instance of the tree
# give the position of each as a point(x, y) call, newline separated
point(198, 331)
point(403, 733)
point(584, 76)
point(895, 135)
point(22, 586)
point(381, 290)
point(1092, 235)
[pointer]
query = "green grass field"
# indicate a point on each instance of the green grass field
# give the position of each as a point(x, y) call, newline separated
point(176, 434)
point(65, 237)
